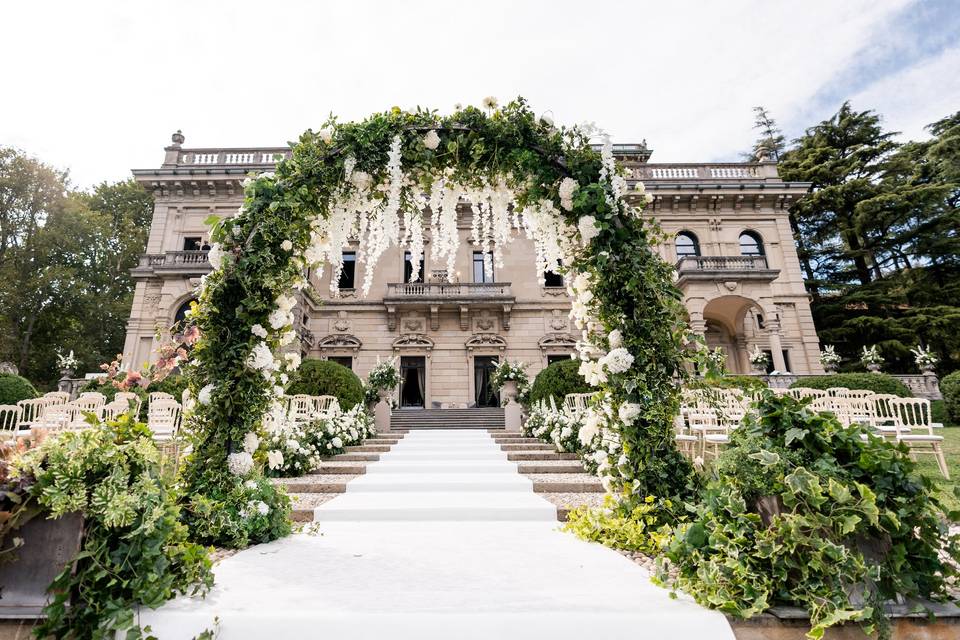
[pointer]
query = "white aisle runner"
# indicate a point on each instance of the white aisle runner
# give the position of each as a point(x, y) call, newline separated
point(440, 539)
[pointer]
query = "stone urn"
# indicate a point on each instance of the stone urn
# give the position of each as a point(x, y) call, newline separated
point(758, 369)
point(927, 369)
point(509, 391)
point(830, 367)
point(873, 368)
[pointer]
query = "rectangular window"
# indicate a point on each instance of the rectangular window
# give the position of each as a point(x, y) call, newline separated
point(552, 279)
point(192, 243)
point(408, 268)
point(344, 361)
point(479, 274)
point(349, 274)
point(556, 358)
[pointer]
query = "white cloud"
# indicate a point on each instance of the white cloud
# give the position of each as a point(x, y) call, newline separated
point(99, 86)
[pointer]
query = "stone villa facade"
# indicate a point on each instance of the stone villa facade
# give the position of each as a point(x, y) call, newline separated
point(736, 265)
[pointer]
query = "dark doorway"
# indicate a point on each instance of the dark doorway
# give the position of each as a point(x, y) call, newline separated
point(413, 381)
point(483, 367)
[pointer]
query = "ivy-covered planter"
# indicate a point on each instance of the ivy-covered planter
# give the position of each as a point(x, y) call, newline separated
point(49, 545)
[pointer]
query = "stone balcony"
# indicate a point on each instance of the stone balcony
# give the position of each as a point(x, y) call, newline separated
point(172, 263)
point(461, 295)
point(726, 268)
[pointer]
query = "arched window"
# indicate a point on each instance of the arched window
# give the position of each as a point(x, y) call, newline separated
point(181, 315)
point(750, 244)
point(687, 244)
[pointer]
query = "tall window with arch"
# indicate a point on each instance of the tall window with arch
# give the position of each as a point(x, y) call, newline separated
point(751, 244)
point(687, 245)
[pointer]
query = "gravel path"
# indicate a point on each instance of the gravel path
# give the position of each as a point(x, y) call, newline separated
point(315, 477)
point(573, 500)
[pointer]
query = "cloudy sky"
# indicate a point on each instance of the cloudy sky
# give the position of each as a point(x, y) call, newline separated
point(98, 87)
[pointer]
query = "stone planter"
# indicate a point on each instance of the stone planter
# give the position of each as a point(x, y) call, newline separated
point(928, 369)
point(48, 546)
point(830, 368)
point(758, 369)
point(509, 391)
point(873, 368)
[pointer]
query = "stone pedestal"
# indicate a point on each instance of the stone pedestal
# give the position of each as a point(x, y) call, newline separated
point(512, 411)
point(381, 413)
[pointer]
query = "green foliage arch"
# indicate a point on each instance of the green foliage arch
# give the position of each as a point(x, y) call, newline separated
point(359, 178)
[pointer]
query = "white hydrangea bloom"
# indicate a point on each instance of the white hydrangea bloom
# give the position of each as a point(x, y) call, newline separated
point(263, 508)
point(326, 134)
point(616, 339)
point(587, 225)
point(431, 140)
point(240, 464)
point(215, 256)
point(337, 442)
point(293, 360)
point(617, 361)
point(204, 396)
point(286, 245)
point(258, 331)
point(567, 188)
point(279, 318)
point(628, 412)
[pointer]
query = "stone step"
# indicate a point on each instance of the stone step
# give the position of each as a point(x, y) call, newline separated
point(440, 482)
point(436, 507)
point(547, 467)
point(347, 468)
point(541, 455)
point(316, 487)
point(511, 439)
point(566, 486)
point(450, 455)
point(354, 457)
point(369, 448)
point(443, 466)
point(527, 446)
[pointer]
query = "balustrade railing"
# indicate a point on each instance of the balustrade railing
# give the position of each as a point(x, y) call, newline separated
point(724, 171)
point(722, 263)
point(448, 290)
point(173, 259)
point(235, 157)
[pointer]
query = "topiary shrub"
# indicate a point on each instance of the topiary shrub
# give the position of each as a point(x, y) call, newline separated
point(746, 383)
point(876, 382)
point(14, 388)
point(950, 388)
point(557, 380)
point(325, 378)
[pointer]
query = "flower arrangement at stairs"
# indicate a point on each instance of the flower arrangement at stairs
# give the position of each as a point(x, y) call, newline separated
point(295, 449)
point(870, 358)
point(829, 358)
point(381, 381)
point(759, 360)
point(511, 378)
point(394, 177)
point(925, 359)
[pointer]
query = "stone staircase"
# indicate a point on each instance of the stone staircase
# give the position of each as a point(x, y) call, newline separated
point(557, 477)
point(479, 418)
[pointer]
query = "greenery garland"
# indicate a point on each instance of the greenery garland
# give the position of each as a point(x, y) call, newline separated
point(283, 228)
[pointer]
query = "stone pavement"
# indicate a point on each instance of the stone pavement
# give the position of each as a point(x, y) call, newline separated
point(439, 539)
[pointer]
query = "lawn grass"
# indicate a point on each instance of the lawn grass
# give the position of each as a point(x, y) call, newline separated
point(928, 466)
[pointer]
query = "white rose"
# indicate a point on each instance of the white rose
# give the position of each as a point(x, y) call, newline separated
point(431, 140)
point(293, 360)
point(286, 245)
point(617, 361)
point(250, 484)
point(587, 226)
point(258, 331)
point(260, 358)
point(337, 442)
point(251, 443)
point(616, 339)
point(274, 459)
point(204, 396)
point(279, 318)
point(326, 134)
point(285, 303)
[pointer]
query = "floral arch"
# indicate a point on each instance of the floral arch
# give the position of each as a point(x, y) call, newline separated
point(375, 180)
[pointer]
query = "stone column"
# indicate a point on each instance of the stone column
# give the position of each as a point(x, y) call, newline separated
point(743, 353)
point(777, 348)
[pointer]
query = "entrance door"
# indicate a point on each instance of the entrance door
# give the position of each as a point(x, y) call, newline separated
point(413, 381)
point(483, 367)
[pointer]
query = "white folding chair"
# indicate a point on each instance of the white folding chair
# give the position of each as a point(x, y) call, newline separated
point(130, 399)
point(159, 395)
point(92, 403)
point(32, 410)
point(62, 397)
point(326, 406)
point(163, 419)
point(577, 402)
point(915, 429)
point(9, 423)
point(56, 417)
point(300, 408)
